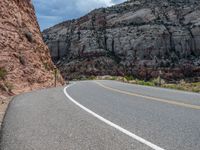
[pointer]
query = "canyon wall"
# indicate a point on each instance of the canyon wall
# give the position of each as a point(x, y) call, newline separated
point(25, 62)
point(136, 38)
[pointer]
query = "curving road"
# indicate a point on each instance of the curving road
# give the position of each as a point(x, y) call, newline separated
point(103, 115)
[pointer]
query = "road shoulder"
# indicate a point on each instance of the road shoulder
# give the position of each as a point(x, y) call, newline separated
point(3, 107)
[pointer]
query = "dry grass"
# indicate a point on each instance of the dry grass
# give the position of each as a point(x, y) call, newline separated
point(181, 85)
point(193, 87)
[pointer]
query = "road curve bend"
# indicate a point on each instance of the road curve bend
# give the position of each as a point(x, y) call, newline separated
point(106, 115)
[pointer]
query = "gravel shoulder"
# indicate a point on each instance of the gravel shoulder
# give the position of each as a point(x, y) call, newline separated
point(3, 107)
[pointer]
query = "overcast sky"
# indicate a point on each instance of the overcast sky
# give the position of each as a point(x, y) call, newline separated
point(51, 12)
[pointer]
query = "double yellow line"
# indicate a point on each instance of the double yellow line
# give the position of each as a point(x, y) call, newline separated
point(151, 98)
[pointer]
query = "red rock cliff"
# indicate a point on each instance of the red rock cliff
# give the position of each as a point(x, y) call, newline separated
point(25, 62)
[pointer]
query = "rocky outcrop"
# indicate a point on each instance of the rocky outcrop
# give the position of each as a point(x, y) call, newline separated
point(25, 62)
point(133, 38)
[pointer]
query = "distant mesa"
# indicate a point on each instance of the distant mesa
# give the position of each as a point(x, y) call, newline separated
point(136, 38)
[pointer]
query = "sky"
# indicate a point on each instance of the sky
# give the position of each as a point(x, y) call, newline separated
point(51, 12)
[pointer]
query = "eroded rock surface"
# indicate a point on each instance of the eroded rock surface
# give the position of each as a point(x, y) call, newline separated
point(25, 62)
point(133, 38)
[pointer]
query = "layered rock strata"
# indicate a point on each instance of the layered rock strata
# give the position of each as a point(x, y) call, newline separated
point(136, 38)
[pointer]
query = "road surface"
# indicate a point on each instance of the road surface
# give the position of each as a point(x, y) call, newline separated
point(103, 115)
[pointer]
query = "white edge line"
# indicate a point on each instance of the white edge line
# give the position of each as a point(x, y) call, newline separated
point(153, 146)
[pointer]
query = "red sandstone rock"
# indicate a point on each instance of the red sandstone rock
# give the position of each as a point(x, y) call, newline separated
point(24, 58)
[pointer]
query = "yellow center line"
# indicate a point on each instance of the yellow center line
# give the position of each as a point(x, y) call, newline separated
point(151, 98)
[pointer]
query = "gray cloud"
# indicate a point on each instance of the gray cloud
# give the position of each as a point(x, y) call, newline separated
point(51, 12)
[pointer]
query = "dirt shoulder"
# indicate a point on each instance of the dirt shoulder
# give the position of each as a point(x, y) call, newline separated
point(3, 107)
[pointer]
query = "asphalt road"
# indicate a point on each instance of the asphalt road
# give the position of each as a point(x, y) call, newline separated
point(103, 115)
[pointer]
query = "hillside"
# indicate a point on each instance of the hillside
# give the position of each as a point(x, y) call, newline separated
point(25, 62)
point(136, 38)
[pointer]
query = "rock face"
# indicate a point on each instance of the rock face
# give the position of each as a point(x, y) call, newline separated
point(133, 38)
point(25, 62)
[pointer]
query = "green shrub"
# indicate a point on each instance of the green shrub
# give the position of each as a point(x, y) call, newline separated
point(129, 78)
point(113, 78)
point(3, 73)
point(158, 81)
point(91, 78)
point(196, 84)
point(148, 83)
